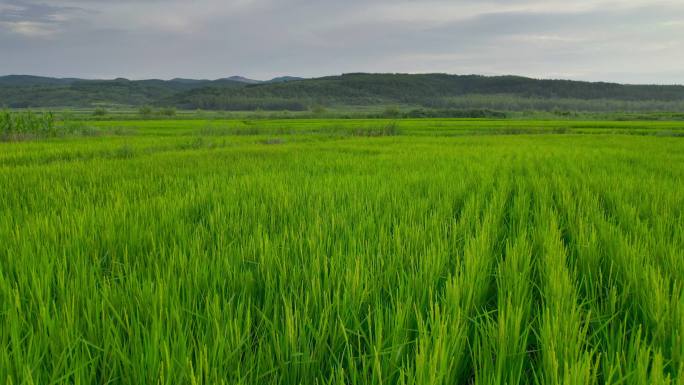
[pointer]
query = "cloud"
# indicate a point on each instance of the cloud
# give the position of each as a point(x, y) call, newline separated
point(29, 28)
point(622, 40)
point(20, 11)
point(35, 20)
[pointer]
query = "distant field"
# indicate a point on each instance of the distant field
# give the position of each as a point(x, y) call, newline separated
point(405, 127)
point(435, 251)
point(398, 111)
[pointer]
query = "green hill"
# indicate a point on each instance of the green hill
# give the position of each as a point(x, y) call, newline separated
point(286, 93)
point(28, 91)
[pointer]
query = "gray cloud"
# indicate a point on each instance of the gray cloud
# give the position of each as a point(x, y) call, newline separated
point(35, 20)
point(23, 11)
point(620, 40)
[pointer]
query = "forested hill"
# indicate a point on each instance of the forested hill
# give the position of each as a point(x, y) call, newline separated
point(425, 90)
point(19, 91)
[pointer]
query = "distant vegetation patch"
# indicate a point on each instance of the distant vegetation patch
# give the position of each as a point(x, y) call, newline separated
point(444, 113)
point(27, 125)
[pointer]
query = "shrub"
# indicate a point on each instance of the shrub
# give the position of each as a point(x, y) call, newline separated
point(391, 112)
point(167, 111)
point(145, 111)
point(318, 109)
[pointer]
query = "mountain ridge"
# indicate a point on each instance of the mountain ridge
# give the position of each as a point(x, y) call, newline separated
point(435, 90)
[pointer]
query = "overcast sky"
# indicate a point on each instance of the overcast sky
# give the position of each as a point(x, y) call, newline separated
point(633, 41)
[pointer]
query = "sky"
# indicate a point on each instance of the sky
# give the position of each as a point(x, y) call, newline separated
point(628, 41)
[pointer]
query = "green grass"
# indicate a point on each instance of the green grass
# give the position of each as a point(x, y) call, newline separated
point(344, 252)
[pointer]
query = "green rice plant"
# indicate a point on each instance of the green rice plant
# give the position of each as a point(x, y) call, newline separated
point(629, 297)
point(438, 255)
point(503, 338)
point(563, 329)
point(389, 129)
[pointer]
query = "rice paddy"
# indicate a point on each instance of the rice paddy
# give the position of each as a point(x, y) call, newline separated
point(344, 252)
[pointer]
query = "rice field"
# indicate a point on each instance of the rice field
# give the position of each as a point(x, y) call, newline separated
point(344, 252)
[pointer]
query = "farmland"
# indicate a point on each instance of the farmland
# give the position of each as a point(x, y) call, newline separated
point(426, 251)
